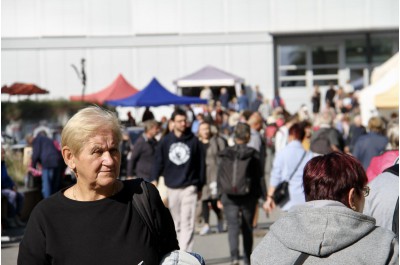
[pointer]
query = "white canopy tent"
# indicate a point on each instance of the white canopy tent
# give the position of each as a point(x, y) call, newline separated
point(383, 93)
point(210, 76)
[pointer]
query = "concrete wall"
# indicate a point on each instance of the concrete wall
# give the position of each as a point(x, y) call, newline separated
point(163, 38)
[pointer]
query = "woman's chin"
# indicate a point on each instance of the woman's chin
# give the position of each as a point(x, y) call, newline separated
point(107, 178)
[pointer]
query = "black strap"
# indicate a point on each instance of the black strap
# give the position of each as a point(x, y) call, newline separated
point(393, 169)
point(395, 221)
point(141, 202)
point(300, 260)
point(294, 171)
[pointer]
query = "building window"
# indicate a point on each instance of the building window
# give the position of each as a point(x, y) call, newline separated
point(292, 68)
point(383, 47)
point(356, 51)
point(325, 55)
point(303, 61)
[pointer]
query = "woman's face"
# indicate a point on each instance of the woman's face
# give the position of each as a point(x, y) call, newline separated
point(98, 164)
point(204, 131)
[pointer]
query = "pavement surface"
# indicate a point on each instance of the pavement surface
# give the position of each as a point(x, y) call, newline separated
point(213, 247)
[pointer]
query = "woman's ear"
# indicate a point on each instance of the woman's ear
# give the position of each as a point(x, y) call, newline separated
point(352, 199)
point(68, 157)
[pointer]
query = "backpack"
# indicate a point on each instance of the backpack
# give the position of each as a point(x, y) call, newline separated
point(233, 169)
point(322, 145)
point(395, 224)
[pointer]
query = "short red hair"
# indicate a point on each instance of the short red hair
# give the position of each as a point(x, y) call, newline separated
point(332, 176)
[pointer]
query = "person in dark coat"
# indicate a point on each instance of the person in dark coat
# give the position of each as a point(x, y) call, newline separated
point(372, 143)
point(316, 100)
point(356, 130)
point(45, 152)
point(147, 115)
point(329, 96)
point(224, 97)
point(240, 209)
point(141, 161)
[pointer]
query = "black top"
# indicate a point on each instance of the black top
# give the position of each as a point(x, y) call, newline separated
point(107, 231)
point(316, 102)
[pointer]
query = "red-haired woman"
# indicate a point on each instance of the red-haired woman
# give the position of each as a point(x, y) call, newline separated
point(330, 227)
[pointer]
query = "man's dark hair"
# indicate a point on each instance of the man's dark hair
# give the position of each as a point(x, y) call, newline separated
point(180, 112)
point(242, 131)
point(246, 114)
point(297, 131)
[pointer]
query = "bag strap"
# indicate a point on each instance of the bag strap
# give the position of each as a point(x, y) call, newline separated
point(395, 221)
point(141, 202)
point(294, 171)
point(393, 169)
point(300, 260)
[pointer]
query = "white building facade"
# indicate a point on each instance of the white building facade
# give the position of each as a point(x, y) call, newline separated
point(283, 46)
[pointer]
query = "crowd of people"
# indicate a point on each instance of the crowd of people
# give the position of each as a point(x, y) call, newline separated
point(226, 156)
point(280, 146)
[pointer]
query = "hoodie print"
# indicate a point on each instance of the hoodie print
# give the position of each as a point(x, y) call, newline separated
point(179, 153)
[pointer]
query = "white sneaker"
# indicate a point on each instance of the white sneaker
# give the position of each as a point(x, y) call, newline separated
point(204, 230)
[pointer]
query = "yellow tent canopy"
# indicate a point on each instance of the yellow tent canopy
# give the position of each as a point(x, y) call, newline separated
point(389, 99)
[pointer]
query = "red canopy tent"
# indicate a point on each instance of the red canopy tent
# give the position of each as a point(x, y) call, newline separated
point(23, 89)
point(118, 89)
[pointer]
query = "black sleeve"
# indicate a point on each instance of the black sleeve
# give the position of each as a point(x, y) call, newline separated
point(202, 166)
point(32, 249)
point(136, 151)
point(158, 161)
point(258, 177)
point(168, 239)
point(36, 152)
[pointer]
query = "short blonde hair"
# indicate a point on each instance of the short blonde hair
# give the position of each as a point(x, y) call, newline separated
point(85, 124)
point(376, 125)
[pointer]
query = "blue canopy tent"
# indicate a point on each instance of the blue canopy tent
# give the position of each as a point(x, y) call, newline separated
point(154, 94)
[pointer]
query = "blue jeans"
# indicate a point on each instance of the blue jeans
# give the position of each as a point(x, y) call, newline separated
point(15, 202)
point(51, 180)
point(239, 212)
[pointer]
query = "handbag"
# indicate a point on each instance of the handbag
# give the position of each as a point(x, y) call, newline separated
point(281, 194)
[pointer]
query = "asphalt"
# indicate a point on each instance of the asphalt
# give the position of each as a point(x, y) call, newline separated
point(213, 246)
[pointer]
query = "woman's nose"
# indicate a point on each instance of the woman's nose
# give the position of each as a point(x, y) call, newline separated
point(107, 158)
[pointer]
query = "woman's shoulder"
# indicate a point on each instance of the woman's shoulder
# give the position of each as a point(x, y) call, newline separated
point(135, 186)
point(49, 205)
point(382, 234)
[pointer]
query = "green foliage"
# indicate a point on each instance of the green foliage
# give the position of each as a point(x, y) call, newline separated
point(15, 166)
point(29, 110)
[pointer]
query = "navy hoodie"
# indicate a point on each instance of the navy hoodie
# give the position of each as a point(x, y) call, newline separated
point(45, 153)
point(180, 161)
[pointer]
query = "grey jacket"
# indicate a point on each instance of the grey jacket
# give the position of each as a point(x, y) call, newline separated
point(331, 233)
point(382, 199)
point(216, 144)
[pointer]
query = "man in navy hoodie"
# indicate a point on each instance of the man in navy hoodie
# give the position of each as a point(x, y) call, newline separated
point(180, 160)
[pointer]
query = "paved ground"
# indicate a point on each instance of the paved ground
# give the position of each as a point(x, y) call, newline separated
point(214, 247)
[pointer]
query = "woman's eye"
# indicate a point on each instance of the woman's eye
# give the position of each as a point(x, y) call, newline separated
point(114, 151)
point(97, 152)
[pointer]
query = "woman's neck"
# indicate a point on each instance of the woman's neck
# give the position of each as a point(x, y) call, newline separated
point(82, 192)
